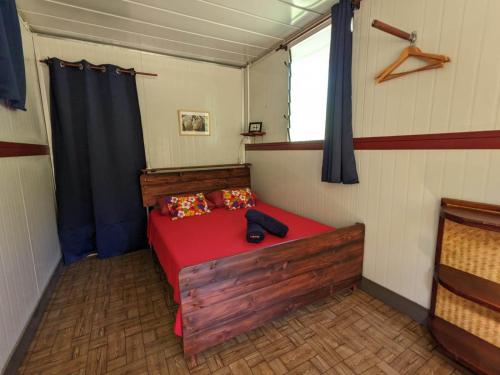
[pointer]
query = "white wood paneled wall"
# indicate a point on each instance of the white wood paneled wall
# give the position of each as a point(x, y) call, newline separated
point(399, 191)
point(463, 96)
point(181, 84)
point(29, 247)
point(268, 101)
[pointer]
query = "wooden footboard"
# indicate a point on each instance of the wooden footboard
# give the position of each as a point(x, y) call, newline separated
point(226, 297)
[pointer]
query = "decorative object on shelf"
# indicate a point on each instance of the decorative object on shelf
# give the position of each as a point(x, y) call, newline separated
point(465, 305)
point(255, 127)
point(432, 60)
point(194, 122)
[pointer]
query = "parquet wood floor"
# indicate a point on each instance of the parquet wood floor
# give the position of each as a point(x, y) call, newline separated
point(115, 316)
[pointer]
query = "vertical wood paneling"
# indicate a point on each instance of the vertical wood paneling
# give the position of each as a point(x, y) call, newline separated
point(268, 100)
point(16, 258)
point(398, 217)
point(35, 175)
point(488, 75)
point(29, 248)
point(180, 84)
point(4, 344)
point(449, 99)
point(413, 221)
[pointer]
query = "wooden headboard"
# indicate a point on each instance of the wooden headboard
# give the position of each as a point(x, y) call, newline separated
point(159, 182)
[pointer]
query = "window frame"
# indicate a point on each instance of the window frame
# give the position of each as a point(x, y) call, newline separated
point(316, 144)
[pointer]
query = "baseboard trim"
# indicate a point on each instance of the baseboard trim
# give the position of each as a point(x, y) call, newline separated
point(24, 342)
point(396, 301)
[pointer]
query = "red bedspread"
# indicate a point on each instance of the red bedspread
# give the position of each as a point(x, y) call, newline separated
point(221, 233)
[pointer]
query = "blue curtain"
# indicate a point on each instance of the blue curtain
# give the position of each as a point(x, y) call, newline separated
point(339, 165)
point(12, 76)
point(98, 154)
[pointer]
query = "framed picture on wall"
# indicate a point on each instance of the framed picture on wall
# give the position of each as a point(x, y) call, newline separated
point(194, 122)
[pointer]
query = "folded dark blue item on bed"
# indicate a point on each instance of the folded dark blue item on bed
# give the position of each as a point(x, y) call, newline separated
point(269, 223)
point(255, 233)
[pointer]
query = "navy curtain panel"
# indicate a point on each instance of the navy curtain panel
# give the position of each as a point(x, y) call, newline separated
point(12, 76)
point(339, 165)
point(98, 154)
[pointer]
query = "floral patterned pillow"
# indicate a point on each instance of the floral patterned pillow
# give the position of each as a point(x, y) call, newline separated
point(184, 206)
point(238, 198)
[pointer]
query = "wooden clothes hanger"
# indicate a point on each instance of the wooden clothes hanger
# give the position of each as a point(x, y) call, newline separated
point(397, 75)
point(434, 61)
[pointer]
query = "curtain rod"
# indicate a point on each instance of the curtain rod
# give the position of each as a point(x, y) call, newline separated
point(101, 68)
point(302, 32)
point(309, 27)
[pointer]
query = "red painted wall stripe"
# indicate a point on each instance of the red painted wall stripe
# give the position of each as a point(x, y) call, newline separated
point(489, 139)
point(12, 149)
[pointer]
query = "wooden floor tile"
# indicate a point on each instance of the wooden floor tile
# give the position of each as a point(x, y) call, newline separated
point(115, 316)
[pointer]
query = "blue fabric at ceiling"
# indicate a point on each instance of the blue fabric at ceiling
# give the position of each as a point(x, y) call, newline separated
point(98, 154)
point(12, 78)
point(339, 165)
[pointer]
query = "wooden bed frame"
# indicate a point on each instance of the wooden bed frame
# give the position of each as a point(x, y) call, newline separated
point(223, 298)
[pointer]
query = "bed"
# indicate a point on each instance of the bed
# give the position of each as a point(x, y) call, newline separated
point(226, 286)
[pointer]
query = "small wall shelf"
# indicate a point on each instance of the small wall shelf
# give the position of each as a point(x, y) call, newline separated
point(253, 134)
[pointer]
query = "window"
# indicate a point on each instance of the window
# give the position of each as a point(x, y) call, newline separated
point(308, 86)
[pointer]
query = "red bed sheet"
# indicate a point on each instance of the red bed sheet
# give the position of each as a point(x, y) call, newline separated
point(221, 233)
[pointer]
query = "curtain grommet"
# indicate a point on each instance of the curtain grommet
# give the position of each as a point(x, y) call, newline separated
point(103, 69)
point(80, 66)
point(118, 71)
point(61, 64)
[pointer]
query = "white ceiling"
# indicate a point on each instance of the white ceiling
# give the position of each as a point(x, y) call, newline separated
point(232, 32)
